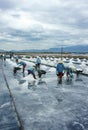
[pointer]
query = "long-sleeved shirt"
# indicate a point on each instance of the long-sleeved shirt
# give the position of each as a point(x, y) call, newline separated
point(22, 63)
point(38, 61)
point(60, 67)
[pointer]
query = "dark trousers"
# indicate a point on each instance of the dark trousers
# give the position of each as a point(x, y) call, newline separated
point(31, 72)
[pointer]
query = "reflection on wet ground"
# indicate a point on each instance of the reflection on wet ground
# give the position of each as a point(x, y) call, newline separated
point(34, 84)
point(7, 115)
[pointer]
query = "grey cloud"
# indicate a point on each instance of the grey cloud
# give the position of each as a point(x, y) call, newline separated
point(55, 36)
point(16, 15)
point(71, 15)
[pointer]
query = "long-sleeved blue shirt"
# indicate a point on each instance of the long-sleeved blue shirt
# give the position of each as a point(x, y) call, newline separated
point(22, 63)
point(38, 61)
point(60, 67)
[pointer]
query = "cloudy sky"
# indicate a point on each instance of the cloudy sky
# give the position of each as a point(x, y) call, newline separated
point(43, 24)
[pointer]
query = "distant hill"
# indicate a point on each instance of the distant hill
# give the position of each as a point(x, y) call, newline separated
point(2, 50)
point(76, 49)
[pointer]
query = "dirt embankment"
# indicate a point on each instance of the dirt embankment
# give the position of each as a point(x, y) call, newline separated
point(57, 55)
point(52, 54)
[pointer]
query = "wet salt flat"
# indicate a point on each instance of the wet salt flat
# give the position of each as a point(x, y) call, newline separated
point(8, 119)
point(43, 104)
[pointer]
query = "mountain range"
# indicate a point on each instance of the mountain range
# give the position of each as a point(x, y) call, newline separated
point(77, 48)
